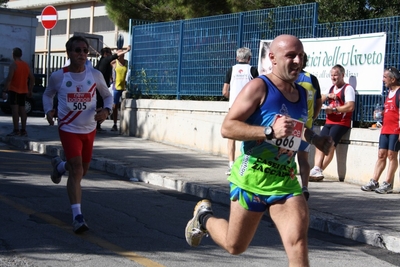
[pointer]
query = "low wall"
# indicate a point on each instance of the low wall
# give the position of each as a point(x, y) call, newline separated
point(191, 124)
point(196, 125)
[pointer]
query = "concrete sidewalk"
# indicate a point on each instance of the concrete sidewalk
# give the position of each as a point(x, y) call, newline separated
point(336, 207)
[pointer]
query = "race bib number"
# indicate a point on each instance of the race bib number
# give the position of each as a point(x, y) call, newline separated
point(79, 101)
point(291, 142)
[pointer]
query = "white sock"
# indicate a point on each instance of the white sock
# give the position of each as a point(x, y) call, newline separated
point(76, 210)
point(61, 167)
point(230, 164)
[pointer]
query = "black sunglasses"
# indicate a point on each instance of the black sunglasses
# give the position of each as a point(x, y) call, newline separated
point(79, 50)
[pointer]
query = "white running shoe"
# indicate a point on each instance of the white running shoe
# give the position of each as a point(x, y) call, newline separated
point(194, 231)
point(316, 174)
point(385, 188)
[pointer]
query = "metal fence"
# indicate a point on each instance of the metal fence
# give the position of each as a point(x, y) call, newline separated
point(365, 104)
point(56, 63)
point(191, 57)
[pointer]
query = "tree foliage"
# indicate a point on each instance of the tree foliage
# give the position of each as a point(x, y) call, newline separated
point(167, 10)
point(343, 10)
point(161, 10)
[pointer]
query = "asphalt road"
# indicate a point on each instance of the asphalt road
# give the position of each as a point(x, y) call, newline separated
point(132, 224)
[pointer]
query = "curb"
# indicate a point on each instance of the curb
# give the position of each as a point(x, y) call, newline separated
point(358, 231)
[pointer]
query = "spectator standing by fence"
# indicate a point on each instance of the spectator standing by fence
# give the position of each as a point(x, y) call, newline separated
point(18, 89)
point(120, 66)
point(104, 66)
point(235, 79)
point(389, 142)
point(341, 98)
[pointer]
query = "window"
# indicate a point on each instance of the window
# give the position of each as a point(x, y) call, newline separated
point(79, 25)
point(103, 24)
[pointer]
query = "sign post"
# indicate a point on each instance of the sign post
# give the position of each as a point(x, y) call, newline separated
point(49, 20)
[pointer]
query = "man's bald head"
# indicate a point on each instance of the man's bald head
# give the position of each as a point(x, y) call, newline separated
point(286, 55)
point(284, 40)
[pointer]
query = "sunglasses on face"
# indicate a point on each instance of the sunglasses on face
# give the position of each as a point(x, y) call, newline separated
point(78, 50)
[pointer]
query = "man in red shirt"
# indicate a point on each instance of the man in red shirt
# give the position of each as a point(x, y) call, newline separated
point(17, 87)
point(339, 112)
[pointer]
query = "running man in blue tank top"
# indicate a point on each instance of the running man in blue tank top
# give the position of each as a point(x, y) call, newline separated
point(314, 102)
point(268, 116)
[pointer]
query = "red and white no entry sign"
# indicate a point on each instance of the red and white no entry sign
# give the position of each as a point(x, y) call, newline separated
point(49, 17)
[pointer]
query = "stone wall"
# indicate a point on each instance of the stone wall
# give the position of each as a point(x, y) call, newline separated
point(196, 125)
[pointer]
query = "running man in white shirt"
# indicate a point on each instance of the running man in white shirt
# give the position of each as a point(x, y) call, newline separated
point(75, 86)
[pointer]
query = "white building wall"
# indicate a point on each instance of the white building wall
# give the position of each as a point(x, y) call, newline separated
point(17, 29)
point(32, 4)
point(80, 11)
point(100, 10)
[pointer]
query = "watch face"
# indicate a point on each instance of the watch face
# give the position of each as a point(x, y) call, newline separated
point(268, 130)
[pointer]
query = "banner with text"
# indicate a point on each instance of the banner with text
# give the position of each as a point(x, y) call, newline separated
point(362, 56)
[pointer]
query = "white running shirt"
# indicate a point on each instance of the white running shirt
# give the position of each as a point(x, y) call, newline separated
point(241, 74)
point(76, 93)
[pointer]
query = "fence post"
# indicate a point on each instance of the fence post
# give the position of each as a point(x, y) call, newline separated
point(130, 57)
point(240, 30)
point(315, 21)
point(48, 55)
point(180, 51)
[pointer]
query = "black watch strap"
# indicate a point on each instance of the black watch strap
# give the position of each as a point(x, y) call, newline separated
point(269, 132)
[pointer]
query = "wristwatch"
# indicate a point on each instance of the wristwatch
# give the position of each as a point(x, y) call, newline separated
point(334, 109)
point(109, 110)
point(269, 132)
